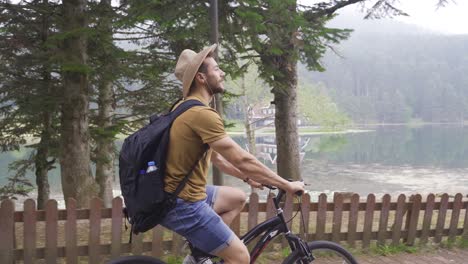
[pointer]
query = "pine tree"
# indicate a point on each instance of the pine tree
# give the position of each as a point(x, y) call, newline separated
point(29, 88)
point(75, 163)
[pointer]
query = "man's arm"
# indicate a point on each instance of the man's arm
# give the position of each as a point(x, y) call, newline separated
point(226, 167)
point(247, 164)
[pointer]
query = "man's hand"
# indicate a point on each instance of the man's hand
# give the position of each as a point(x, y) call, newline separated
point(295, 186)
point(255, 184)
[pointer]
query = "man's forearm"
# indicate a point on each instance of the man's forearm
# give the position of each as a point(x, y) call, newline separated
point(261, 173)
point(226, 167)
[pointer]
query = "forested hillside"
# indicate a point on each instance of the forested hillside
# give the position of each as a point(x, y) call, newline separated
point(391, 72)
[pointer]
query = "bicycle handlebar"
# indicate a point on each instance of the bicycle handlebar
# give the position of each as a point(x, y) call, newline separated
point(298, 193)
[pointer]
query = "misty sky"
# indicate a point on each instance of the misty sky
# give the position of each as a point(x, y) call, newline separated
point(451, 19)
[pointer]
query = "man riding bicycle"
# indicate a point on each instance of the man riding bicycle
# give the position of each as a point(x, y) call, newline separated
point(203, 212)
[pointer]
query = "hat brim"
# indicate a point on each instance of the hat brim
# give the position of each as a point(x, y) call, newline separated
point(193, 67)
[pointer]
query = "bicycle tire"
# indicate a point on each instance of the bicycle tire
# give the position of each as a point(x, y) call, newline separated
point(340, 255)
point(136, 260)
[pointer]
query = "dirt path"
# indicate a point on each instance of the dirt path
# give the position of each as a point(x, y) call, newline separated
point(439, 256)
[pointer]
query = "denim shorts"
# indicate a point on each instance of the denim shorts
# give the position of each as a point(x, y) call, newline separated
point(199, 223)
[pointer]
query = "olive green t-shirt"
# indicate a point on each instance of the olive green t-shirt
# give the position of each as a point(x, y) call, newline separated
point(189, 132)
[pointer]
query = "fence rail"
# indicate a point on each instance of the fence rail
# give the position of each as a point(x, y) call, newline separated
point(98, 233)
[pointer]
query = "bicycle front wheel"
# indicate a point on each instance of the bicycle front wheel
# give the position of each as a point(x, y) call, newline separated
point(324, 252)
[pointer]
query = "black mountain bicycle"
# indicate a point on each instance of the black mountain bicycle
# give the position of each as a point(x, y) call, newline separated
point(317, 252)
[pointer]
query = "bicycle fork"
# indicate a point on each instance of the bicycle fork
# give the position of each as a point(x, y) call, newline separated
point(296, 243)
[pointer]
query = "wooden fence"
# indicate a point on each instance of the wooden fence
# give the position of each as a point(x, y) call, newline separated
point(98, 234)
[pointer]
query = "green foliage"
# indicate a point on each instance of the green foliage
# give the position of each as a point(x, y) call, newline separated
point(332, 143)
point(250, 91)
point(319, 109)
point(285, 252)
point(76, 68)
point(463, 242)
point(15, 187)
point(29, 91)
point(18, 184)
point(174, 260)
point(394, 77)
point(388, 250)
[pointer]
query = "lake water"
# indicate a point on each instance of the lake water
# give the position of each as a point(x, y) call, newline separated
point(385, 159)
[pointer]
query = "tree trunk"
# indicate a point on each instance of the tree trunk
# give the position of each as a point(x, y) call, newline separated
point(105, 142)
point(248, 124)
point(77, 182)
point(287, 137)
point(249, 129)
point(105, 145)
point(285, 98)
point(218, 178)
point(41, 163)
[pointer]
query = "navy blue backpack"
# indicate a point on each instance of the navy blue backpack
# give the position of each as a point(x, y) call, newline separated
point(146, 203)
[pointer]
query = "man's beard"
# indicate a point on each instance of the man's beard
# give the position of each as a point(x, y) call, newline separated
point(215, 88)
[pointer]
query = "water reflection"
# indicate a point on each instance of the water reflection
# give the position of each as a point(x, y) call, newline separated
point(440, 146)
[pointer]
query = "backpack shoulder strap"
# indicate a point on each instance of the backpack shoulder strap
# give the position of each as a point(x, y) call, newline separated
point(184, 107)
point(185, 180)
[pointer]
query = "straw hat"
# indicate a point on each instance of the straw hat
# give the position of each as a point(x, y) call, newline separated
point(188, 64)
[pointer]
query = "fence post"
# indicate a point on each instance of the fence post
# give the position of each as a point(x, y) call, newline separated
point(465, 224)
point(137, 243)
point(288, 209)
point(51, 231)
point(117, 219)
point(400, 210)
point(408, 215)
point(305, 214)
point(253, 211)
point(29, 231)
point(413, 221)
point(270, 207)
point(426, 227)
point(441, 218)
point(7, 235)
point(455, 216)
point(383, 221)
point(368, 220)
point(157, 245)
point(353, 219)
point(176, 244)
point(70, 233)
point(95, 231)
point(235, 224)
point(321, 217)
point(337, 217)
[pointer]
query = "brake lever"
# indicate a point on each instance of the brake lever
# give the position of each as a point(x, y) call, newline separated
point(269, 187)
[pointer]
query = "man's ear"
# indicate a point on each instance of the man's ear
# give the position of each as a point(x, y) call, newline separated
point(200, 78)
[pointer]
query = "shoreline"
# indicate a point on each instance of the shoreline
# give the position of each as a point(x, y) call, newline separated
point(347, 131)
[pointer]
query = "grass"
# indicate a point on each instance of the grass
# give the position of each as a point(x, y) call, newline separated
point(173, 260)
point(387, 250)
point(463, 243)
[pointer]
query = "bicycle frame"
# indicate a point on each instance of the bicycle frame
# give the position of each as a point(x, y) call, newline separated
point(270, 229)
